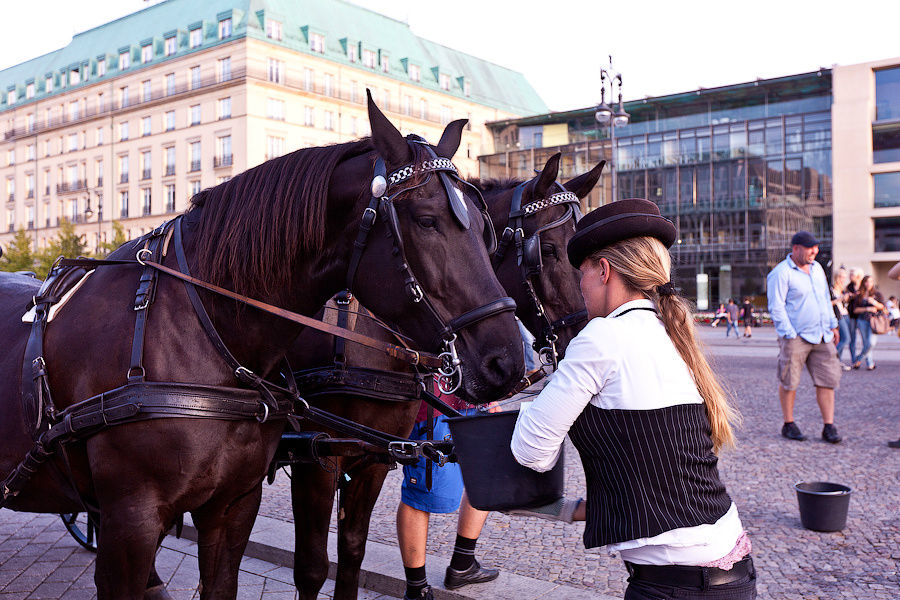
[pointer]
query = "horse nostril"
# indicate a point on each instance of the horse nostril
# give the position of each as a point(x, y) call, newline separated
point(500, 369)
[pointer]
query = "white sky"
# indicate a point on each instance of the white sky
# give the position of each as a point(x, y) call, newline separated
point(661, 47)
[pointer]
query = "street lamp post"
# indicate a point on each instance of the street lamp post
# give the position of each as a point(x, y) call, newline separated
point(89, 212)
point(605, 115)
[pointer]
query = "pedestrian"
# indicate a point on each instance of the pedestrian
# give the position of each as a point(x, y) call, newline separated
point(747, 316)
point(856, 275)
point(647, 415)
point(733, 312)
point(720, 314)
point(894, 273)
point(893, 313)
point(800, 305)
point(867, 302)
point(839, 298)
point(446, 495)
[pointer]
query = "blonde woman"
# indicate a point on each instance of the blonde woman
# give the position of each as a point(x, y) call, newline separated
point(647, 415)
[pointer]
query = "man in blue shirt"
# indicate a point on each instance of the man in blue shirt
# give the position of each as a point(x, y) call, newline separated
point(800, 306)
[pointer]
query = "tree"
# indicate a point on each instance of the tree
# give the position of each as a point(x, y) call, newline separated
point(18, 255)
point(67, 243)
point(117, 240)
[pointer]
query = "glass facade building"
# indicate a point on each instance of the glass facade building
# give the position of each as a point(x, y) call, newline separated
point(738, 169)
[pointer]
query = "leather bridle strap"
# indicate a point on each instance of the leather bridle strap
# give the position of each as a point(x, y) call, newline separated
point(482, 312)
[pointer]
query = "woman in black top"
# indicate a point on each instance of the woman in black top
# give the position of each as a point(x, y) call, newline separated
point(867, 302)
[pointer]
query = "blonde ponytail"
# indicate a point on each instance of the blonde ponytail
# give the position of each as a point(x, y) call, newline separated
point(644, 264)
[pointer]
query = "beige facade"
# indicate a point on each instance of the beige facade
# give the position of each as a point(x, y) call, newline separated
point(140, 144)
point(853, 114)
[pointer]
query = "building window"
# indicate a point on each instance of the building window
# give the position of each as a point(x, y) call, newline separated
point(195, 156)
point(196, 37)
point(170, 160)
point(274, 146)
point(99, 136)
point(170, 84)
point(368, 59)
point(352, 53)
point(99, 171)
point(886, 143)
point(225, 68)
point(123, 131)
point(275, 109)
point(146, 165)
point(123, 97)
point(10, 189)
point(146, 202)
point(10, 157)
point(29, 122)
point(317, 42)
point(74, 77)
point(29, 152)
point(446, 115)
point(123, 204)
point(329, 120)
point(354, 126)
point(146, 91)
point(124, 60)
point(354, 95)
point(146, 53)
point(101, 70)
point(423, 108)
point(145, 126)
point(445, 81)
point(385, 63)
point(467, 87)
point(309, 116)
point(223, 108)
point(195, 114)
point(195, 77)
point(10, 219)
point(328, 86)
point(308, 79)
point(123, 169)
point(195, 187)
point(170, 120)
point(407, 105)
point(415, 74)
point(29, 91)
point(385, 100)
point(29, 186)
point(276, 71)
point(887, 94)
point(170, 46)
point(273, 29)
point(170, 197)
point(48, 84)
point(887, 189)
point(225, 28)
point(74, 110)
point(887, 234)
point(73, 142)
point(223, 156)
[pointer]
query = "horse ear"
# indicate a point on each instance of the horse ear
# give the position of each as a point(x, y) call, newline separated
point(388, 141)
point(450, 138)
point(547, 177)
point(582, 185)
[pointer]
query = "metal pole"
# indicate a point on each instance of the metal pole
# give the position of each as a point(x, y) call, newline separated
point(613, 158)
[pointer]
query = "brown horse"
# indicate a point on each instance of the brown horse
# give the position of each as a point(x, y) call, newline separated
point(282, 232)
point(557, 292)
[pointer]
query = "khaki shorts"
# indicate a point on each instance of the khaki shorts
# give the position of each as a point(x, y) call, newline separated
point(820, 359)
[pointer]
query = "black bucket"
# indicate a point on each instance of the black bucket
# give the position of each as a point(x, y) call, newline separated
point(493, 478)
point(823, 505)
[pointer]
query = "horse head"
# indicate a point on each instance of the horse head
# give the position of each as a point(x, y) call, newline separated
point(535, 219)
point(425, 265)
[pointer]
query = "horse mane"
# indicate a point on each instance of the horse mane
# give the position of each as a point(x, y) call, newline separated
point(250, 230)
point(491, 185)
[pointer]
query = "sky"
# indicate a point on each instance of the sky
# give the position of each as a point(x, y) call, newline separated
point(660, 47)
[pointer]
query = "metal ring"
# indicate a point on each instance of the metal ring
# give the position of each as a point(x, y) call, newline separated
point(140, 252)
point(265, 413)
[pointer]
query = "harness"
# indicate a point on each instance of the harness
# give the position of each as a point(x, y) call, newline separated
point(530, 261)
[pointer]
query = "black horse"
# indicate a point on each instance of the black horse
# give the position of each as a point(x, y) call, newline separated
point(546, 290)
point(284, 233)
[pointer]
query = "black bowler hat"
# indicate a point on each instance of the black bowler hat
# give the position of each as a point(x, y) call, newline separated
point(615, 222)
point(805, 239)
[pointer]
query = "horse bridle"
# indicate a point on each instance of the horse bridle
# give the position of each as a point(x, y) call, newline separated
point(529, 259)
point(384, 193)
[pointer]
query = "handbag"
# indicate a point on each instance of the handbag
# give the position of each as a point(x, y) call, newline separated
point(880, 323)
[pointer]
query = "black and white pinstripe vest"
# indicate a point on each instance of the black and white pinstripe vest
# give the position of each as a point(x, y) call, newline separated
point(648, 471)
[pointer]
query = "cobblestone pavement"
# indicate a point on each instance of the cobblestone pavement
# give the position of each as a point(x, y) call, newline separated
point(39, 560)
point(859, 562)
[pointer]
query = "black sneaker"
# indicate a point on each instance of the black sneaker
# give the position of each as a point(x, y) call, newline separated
point(474, 574)
point(830, 434)
point(894, 444)
point(425, 594)
point(792, 432)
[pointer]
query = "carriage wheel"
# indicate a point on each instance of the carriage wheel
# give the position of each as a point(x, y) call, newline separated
point(83, 528)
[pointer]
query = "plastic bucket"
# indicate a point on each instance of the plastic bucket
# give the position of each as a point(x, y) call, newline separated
point(493, 478)
point(823, 505)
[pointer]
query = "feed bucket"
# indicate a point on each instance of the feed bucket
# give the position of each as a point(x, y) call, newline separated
point(823, 505)
point(493, 478)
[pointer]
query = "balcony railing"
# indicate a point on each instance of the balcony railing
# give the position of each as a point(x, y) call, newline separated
point(146, 210)
point(222, 161)
point(145, 174)
point(100, 181)
point(47, 193)
point(71, 186)
point(170, 169)
point(11, 198)
point(123, 178)
point(29, 195)
point(195, 165)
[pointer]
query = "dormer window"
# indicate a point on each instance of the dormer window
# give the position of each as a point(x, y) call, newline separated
point(385, 64)
point(74, 77)
point(29, 90)
point(170, 46)
point(146, 53)
point(317, 42)
point(273, 29)
point(124, 60)
point(467, 87)
point(444, 81)
point(225, 28)
point(351, 53)
point(48, 84)
point(11, 97)
point(101, 68)
point(415, 74)
point(368, 59)
point(196, 37)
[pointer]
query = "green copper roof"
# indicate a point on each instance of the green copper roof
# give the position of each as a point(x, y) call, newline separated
point(341, 24)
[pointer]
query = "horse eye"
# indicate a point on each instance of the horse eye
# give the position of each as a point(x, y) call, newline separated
point(548, 250)
point(426, 222)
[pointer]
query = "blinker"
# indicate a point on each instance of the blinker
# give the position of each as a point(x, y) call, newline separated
point(457, 202)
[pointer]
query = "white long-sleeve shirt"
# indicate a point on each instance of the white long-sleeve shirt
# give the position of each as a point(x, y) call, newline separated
point(625, 361)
